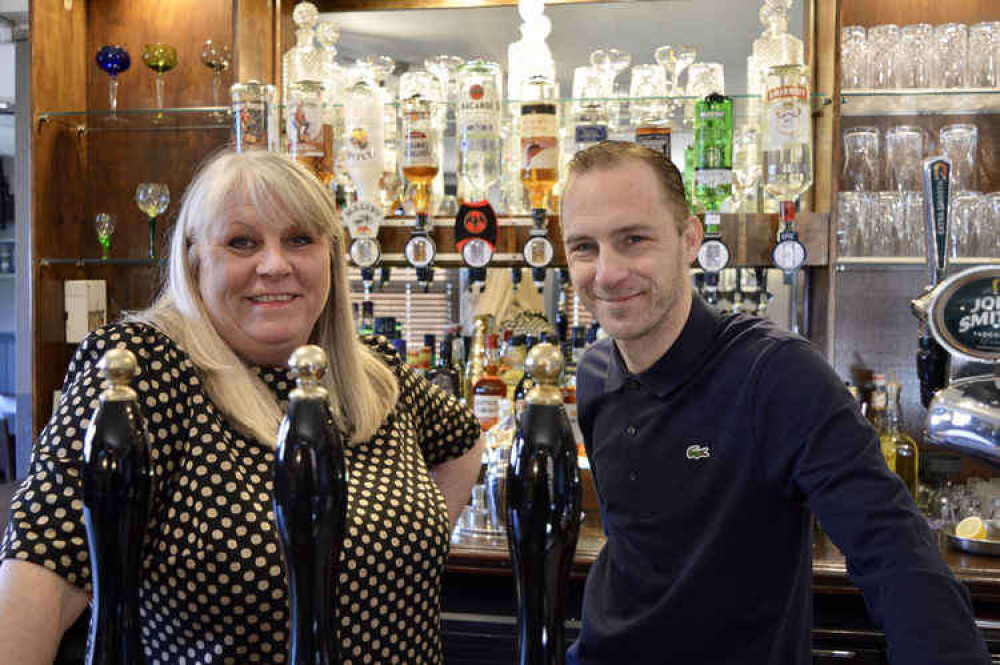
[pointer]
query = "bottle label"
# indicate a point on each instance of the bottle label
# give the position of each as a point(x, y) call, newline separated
point(360, 147)
point(418, 149)
point(657, 139)
point(250, 124)
point(713, 177)
point(589, 134)
point(787, 117)
point(539, 137)
point(486, 407)
point(304, 128)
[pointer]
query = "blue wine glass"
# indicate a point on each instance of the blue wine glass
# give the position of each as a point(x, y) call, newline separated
point(113, 60)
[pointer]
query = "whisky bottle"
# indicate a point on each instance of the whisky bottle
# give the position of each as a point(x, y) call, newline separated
point(902, 446)
point(443, 374)
point(489, 390)
point(367, 317)
point(477, 359)
point(512, 367)
point(539, 140)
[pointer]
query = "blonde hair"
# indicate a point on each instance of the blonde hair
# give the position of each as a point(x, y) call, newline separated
point(363, 390)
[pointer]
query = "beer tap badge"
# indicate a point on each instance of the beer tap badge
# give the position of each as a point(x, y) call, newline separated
point(362, 220)
point(936, 181)
point(966, 314)
point(476, 233)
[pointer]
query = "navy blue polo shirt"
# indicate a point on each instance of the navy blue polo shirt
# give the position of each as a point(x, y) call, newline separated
point(707, 466)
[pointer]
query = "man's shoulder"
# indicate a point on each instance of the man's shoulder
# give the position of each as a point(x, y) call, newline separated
point(596, 361)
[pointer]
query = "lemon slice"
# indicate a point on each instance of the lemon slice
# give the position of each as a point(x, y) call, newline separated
point(971, 527)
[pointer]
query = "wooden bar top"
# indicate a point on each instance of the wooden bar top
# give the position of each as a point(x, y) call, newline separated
point(981, 574)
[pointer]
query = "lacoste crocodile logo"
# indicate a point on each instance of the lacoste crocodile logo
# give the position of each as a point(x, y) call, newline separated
point(698, 452)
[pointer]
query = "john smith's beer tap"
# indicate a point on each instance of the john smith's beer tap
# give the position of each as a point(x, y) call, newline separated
point(543, 512)
point(116, 479)
point(310, 505)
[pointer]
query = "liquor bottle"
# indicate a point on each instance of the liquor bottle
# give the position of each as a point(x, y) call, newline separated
point(539, 140)
point(877, 413)
point(543, 497)
point(116, 478)
point(443, 374)
point(713, 148)
point(903, 448)
point(479, 121)
point(367, 317)
point(364, 129)
point(590, 114)
point(427, 353)
point(512, 367)
point(489, 390)
point(775, 46)
point(476, 362)
point(310, 508)
point(420, 151)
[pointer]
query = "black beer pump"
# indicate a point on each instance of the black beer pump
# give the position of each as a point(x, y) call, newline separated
point(543, 512)
point(116, 478)
point(310, 505)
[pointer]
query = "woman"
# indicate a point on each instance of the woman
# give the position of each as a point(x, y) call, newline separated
point(256, 269)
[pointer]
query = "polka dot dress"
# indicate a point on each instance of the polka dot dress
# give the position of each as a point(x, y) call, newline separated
point(213, 582)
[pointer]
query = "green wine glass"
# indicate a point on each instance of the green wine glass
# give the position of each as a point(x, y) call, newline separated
point(105, 224)
point(152, 199)
point(161, 58)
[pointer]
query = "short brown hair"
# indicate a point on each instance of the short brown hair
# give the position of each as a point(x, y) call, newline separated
point(609, 154)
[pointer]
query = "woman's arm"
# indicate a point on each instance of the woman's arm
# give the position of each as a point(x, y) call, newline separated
point(456, 477)
point(36, 608)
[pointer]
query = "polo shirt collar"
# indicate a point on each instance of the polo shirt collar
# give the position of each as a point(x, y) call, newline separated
point(680, 361)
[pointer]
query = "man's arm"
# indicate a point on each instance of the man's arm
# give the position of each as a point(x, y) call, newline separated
point(36, 608)
point(819, 449)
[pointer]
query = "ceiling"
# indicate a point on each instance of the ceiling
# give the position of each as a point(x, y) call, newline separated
point(721, 31)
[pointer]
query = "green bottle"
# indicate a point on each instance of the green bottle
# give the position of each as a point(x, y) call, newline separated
point(713, 151)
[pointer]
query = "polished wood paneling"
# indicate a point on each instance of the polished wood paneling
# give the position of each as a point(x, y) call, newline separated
point(366, 5)
point(875, 12)
point(254, 40)
point(184, 24)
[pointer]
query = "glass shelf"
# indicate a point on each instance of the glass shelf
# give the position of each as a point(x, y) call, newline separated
point(220, 117)
point(81, 262)
point(918, 261)
point(920, 101)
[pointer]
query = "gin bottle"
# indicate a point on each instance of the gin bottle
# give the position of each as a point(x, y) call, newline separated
point(713, 141)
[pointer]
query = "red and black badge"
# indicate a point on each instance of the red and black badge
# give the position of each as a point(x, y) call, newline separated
point(476, 233)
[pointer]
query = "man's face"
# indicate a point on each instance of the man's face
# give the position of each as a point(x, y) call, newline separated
point(627, 259)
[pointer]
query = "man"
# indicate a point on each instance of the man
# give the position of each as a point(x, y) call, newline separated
point(712, 437)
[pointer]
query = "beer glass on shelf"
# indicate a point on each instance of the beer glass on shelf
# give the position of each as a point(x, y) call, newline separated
point(861, 158)
point(966, 224)
point(984, 55)
point(960, 144)
point(105, 226)
point(883, 44)
point(161, 58)
point(646, 89)
point(904, 148)
point(152, 198)
point(113, 60)
point(952, 47)
point(611, 62)
point(915, 65)
point(853, 57)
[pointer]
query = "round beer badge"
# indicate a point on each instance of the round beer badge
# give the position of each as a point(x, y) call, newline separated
point(477, 253)
point(713, 255)
point(419, 251)
point(365, 252)
point(538, 252)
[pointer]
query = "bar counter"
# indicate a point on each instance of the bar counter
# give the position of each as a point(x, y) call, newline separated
point(479, 601)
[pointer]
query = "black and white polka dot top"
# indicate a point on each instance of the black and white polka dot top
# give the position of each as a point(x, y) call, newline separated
point(213, 581)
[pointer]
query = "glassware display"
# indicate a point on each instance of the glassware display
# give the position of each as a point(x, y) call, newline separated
point(960, 144)
point(113, 59)
point(217, 58)
point(611, 62)
point(705, 78)
point(952, 41)
point(105, 223)
point(966, 225)
point(984, 55)
point(161, 58)
point(883, 45)
point(774, 47)
point(479, 119)
point(853, 57)
point(255, 116)
point(304, 61)
point(915, 64)
point(152, 198)
point(674, 60)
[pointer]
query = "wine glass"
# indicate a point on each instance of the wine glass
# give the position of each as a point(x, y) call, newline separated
point(674, 60)
point(152, 199)
point(217, 58)
point(105, 224)
point(113, 60)
point(161, 58)
point(611, 62)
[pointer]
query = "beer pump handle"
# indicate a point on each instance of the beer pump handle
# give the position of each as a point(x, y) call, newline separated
point(932, 359)
point(116, 481)
point(310, 506)
point(543, 501)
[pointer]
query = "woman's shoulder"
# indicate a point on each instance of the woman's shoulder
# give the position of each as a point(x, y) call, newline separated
point(148, 343)
point(383, 350)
